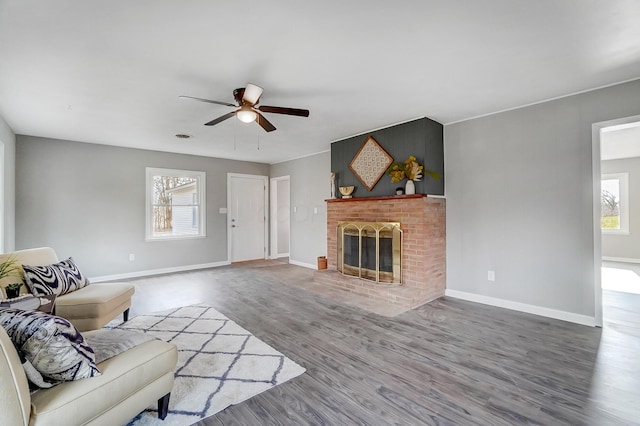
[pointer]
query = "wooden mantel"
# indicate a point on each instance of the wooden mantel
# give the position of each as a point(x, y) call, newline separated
point(385, 197)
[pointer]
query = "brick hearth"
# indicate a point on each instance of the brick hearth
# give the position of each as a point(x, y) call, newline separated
point(422, 220)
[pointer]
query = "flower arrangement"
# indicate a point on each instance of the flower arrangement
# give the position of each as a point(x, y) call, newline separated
point(410, 169)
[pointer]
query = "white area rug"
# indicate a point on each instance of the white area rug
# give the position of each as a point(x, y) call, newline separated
point(219, 363)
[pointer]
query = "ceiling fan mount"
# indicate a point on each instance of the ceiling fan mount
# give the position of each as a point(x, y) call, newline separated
point(247, 98)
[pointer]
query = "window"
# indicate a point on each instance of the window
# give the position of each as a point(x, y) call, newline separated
point(175, 204)
point(614, 203)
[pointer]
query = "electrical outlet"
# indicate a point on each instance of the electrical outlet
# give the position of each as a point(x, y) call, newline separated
point(132, 257)
point(491, 275)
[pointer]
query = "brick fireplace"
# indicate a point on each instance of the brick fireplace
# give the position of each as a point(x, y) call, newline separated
point(422, 220)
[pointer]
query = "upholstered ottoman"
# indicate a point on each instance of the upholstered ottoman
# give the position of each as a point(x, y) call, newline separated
point(93, 306)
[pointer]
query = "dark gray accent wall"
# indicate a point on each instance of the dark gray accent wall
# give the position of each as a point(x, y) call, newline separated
point(422, 138)
point(88, 201)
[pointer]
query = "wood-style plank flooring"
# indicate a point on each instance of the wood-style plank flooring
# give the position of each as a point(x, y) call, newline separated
point(449, 362)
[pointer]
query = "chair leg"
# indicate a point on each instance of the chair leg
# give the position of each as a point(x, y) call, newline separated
point(163, 406)
point(125, 315)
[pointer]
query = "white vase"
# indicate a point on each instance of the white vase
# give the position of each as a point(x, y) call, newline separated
point(410, 188)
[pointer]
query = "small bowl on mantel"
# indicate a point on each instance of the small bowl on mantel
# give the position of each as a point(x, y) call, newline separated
point(346, 191)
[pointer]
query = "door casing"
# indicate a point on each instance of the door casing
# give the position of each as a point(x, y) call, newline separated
point(275, 218)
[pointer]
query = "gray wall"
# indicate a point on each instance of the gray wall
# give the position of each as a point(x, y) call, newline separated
point(88, 201)
point(310, 186)
point(519, 200)
point(625, 246)
point(8, 138)
point(421, 138)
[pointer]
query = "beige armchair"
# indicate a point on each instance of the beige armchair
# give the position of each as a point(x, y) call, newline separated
point(88, 308)
point(130, 382)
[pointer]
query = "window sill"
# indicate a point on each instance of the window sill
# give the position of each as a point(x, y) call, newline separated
point(610, 232)
point(177, 238)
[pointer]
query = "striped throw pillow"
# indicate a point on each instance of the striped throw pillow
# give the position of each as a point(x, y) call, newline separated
point(59, 278)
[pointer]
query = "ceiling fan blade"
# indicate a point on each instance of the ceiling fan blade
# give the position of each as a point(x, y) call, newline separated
point(221, 119)
point(282, 110)
point(208, 101)
point(264, 123)
point(252, 94)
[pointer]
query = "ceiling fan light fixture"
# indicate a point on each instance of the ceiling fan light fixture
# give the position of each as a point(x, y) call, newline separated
point(246, 115)
point(247, 98)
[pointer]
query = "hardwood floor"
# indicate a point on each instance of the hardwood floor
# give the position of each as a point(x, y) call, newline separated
point(449, 362)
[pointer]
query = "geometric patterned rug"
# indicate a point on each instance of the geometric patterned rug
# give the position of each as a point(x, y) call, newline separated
point(219, 363)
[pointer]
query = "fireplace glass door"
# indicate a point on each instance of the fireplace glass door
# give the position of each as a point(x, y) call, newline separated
point(370, 250)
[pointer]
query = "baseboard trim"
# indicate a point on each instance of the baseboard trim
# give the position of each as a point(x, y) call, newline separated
point(160, 271)
point(279, 256)
point(523, 307)
point(304, 265)
point(620, 259)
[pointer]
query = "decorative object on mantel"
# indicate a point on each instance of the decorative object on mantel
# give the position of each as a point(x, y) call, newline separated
point(333, 185)
point(399, 190)
point(410, 170)
point(370, 163)
point(409, 187)
point(346, 191)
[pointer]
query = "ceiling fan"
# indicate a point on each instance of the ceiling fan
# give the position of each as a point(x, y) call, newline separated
point(247, 99)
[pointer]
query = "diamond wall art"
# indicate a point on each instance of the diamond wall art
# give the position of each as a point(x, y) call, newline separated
point(370, 163)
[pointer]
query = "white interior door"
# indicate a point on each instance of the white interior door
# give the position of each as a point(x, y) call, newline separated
point(247, 201)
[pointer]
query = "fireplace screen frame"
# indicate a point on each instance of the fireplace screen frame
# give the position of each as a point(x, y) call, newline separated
point(366, 229)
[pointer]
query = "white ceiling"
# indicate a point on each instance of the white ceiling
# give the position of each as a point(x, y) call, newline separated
point(110, 72)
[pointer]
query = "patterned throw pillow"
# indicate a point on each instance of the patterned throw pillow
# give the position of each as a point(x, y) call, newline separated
point(34, 377)
point(59, 278)
point(51, 344)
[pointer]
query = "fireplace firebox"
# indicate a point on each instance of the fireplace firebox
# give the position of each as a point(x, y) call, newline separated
point(371, 251)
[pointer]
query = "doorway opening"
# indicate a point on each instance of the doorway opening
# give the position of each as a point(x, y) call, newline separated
point(280, 216)
point(616, 174)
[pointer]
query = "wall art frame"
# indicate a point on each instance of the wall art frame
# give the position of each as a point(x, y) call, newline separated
point(370, 163)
